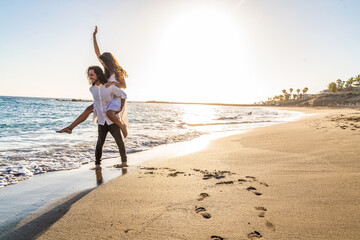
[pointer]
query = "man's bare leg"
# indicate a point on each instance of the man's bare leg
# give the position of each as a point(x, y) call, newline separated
point(111, 114)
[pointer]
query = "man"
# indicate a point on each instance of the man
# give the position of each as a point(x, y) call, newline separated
point(102, 98)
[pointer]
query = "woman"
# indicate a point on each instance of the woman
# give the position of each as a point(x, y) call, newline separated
point(115, 75)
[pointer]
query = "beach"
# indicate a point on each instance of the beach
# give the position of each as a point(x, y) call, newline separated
point(297, 180)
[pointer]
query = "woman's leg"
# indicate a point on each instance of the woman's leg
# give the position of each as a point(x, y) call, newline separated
point(111, 114)
point(79, 120)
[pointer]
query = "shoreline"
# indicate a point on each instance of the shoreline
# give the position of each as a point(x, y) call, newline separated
point(214, 134)
point(55, 191)
point(289, 181)
point(141, 172)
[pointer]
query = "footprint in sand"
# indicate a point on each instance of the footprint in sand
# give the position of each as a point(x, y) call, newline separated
point(175, 174)
point(148, 168)
point(128, 230)
point(240, 180)
point(203, 212)
point(270, 225)
point(261, 208)
point(225, 182)
point(254, 234)
point(217, 174)
point(216, 237)
point(262, 213)
point(255, 192)
point(265, 184)
point(203, 196)
point(251, 177)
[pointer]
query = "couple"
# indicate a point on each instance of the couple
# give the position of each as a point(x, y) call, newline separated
point(109, 105)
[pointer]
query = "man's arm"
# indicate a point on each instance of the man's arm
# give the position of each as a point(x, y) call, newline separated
point(78, 120)
point(117, 84)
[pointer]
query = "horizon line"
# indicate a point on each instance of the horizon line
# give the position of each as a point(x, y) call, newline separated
point(144, 101)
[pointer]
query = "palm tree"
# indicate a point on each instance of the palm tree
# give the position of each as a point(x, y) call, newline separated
point(285, 94)
point(340, 84)
point(298, 91)
point(357, 80)
point(281, 97)
point(305, 90)
point(276, 98)
point(291, 90)
point(332, 87)
point(349, 83)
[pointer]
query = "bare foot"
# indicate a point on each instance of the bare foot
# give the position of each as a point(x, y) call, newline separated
point(65, 130)
point(121, 165)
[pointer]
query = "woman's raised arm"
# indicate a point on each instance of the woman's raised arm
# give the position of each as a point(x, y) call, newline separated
point(96, 47)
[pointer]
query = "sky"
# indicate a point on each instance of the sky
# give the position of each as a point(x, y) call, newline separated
point(219, 51)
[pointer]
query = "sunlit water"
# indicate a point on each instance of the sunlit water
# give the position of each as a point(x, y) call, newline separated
point(29, 144)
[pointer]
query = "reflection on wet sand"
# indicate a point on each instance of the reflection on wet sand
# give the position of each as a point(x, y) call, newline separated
point(99, 177)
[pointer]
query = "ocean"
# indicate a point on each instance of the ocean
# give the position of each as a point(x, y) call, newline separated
point(29, 144)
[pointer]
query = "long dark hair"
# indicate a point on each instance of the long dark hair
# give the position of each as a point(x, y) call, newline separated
point(112, 66)
point(99, 73)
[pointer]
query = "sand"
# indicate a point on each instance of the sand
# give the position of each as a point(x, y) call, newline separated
point(298, 180)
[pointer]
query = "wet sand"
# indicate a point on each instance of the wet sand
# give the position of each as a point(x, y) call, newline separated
point(297, 180)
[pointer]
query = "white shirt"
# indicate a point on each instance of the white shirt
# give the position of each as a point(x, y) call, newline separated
point(112, 78)
point(102, 98)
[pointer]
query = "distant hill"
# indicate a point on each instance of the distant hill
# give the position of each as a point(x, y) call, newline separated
point(215, 104)
point(343, 98)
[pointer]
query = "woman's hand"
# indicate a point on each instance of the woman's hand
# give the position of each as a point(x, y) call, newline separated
point(109, 84)
point(95, 31)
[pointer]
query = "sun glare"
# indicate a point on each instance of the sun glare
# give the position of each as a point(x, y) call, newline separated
point(200, 48)
point(198, 114)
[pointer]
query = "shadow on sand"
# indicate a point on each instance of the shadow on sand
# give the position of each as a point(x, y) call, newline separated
point(37, 226)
